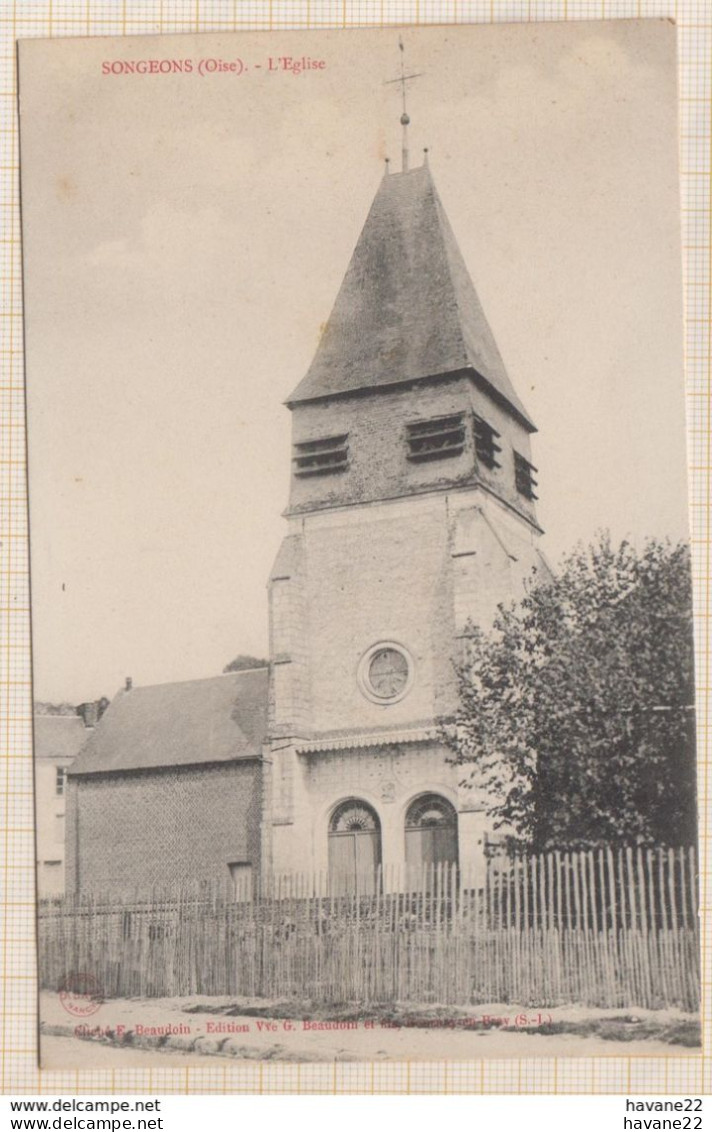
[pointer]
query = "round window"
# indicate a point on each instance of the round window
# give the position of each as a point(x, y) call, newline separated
point(386, 673)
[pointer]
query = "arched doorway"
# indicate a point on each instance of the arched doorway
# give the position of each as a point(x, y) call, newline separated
point(430, 833)
point(354, 847)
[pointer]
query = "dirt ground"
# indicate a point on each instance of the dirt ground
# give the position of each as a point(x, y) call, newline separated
point(69, 1053)
point(192, 1031)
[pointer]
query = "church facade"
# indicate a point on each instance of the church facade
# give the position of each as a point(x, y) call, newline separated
point(411, 517)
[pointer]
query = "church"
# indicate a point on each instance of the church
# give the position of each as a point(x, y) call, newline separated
point(411, 517)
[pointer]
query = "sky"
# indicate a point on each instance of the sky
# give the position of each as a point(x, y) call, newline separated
point(185, 236)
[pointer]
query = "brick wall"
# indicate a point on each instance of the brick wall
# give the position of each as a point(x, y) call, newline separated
point(378, 467)
point(493, 553)
point(378, 573)
point(389, 550)
point(388, 778)
point(289, 698)
point(145, 828)
point(411, 571)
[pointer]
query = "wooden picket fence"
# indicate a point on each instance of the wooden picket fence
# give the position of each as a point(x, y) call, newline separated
point(604, 928)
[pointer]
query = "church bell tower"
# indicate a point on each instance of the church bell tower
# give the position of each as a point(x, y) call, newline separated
point(411, 516)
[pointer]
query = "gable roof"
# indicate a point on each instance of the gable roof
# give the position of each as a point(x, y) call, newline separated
point(220, 719)
point(407, 308)
point(59, 736)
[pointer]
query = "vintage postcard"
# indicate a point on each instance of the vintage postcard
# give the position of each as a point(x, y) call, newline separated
point(362, 617)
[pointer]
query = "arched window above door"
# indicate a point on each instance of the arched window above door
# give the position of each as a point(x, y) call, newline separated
point(430, 832)
point(354, 847)
point(430, 810)
point(354, 816)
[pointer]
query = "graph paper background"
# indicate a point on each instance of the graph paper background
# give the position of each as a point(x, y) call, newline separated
point(18, 1046)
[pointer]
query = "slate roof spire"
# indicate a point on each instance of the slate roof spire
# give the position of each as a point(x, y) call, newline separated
point(407, 308)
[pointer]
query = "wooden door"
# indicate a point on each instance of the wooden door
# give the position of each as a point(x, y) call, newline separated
point(430, 838)
point(354, 848)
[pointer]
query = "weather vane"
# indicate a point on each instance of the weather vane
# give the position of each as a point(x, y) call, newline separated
point(404, 79)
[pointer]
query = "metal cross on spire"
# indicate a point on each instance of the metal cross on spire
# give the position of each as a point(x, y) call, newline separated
point(403, 79)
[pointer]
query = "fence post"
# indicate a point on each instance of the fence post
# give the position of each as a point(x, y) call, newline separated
point(606, 928)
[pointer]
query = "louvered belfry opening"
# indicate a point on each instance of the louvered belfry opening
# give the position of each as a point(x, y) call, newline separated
point(524, 477)
point(486, 447)
point(436, 438)
point(320, 457)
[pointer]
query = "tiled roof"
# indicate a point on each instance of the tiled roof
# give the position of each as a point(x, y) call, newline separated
point(407, 308)
point(220, 719)
point(59, 736)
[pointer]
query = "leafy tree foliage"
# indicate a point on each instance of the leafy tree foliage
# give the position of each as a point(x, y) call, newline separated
point(576, 717)
point(241, 662)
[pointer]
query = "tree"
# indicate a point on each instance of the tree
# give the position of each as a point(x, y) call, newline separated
point(241, 662)
point(576, 716)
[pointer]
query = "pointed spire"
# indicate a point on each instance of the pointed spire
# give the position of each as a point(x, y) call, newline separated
point(407, 308)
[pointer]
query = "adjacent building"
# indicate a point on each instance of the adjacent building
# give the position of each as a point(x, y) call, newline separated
point(58, 740)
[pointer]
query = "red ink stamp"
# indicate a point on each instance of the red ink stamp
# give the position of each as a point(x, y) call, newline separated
point(80, 995)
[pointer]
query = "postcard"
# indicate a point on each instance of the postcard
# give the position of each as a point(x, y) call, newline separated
point(362, 616)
